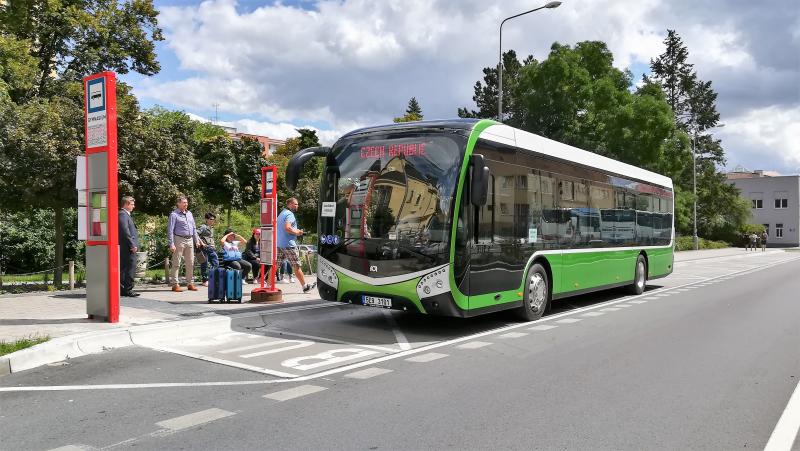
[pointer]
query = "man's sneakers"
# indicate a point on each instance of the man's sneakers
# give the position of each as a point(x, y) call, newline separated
point(177, 288)
point(191, 287)
point(309, 287)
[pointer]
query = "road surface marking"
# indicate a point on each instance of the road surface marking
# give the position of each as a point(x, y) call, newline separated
point(512, 335)
point(474, 345)
point(425, 358)
point(639, 302)
point(651, 298)
point(610, 309)
point(194, 419)
point(71, 448)
point(568, 320)
point(399, 336)
point(542, 327)
point(249, 347)
point(624, 305)
point(368, 373)
point(296, 392)
point(591, 314)
point(335, 341)
point(785, 432)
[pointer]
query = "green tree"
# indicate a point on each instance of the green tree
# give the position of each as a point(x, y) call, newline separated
point(307, 191)
point(73, 38)
point(42, 131)
point(413, 112)
point(485, 96)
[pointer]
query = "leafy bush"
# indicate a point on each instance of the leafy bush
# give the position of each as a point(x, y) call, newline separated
point(686, 243)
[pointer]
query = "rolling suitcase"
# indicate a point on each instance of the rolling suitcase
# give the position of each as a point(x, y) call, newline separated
point(233, 285)
point(216, 284)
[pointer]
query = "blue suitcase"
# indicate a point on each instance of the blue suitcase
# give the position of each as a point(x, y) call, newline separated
point(233, 285)
point(216, 284)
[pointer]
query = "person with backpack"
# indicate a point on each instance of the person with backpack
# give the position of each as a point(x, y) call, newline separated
point(206, 233)
point(764, 237)
point(753, 241)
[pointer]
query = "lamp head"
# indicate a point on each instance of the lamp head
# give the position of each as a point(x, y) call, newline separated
point(553, 5)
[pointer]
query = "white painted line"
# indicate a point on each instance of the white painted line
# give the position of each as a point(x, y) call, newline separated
point(513, 335)
point(332, 340)
point(568, 320)
point(638, 302)
point(399, 336)
point(368, 373)
point(624, 305)
point(194, 419)
point(296, 392)
point(71, 448)
point(590, 314)
point(249, 347)
point(232, 363)
point(610, 309)
point(542, 327)
point(651, 298)
point(425, 358)
point(663, 295)
point(474, 345)
point(785, 432)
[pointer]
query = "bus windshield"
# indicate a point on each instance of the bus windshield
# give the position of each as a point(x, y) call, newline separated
point(393, 195)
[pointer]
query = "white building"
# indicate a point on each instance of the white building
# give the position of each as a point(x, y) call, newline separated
point(775, 202)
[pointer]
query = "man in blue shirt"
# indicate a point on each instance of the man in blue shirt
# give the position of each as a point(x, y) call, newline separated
point(287, 230)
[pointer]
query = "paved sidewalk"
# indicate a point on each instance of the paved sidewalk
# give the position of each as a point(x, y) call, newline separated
point(63, 313)
point(683, 256)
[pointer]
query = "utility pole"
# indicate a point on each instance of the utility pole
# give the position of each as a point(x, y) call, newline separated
point(216, 113)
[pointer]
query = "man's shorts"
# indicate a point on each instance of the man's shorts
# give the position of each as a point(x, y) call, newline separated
point(289, 253)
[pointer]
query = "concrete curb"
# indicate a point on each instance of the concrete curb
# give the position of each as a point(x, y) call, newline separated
point(69, 347)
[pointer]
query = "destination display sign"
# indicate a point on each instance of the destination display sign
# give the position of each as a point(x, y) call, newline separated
point(392, 150)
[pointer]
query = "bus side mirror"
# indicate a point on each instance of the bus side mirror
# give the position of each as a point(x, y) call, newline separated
point(480, 181)
point(298, 160)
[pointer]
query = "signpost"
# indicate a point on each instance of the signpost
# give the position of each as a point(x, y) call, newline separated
point(268, 241)
point(102, 240)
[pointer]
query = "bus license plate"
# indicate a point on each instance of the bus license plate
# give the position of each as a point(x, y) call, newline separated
point(377, 302)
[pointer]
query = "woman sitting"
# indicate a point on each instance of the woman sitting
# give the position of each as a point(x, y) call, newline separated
point(231, 255)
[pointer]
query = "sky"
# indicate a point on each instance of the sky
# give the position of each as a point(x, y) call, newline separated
point(270, 67)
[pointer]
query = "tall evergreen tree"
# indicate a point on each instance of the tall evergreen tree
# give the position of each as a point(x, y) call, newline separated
point(413, 112)
point(485, 96)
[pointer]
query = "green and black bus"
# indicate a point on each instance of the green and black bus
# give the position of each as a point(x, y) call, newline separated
point(465, 217)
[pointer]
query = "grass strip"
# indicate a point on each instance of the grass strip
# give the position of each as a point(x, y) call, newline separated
point(7, 347)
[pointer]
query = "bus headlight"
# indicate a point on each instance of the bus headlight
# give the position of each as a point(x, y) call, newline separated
point(434, 283)
point(326, 274)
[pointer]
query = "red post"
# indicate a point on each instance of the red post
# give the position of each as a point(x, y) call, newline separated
point(268, 244)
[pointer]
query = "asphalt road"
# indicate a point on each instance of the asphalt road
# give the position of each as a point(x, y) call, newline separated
point(706, 359)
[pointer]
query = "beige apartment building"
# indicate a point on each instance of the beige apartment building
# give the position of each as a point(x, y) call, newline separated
point(774, 202)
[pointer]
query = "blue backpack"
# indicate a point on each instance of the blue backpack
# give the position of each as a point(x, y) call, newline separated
point(231, 255)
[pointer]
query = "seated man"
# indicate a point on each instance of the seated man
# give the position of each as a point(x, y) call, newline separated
point(231, 255)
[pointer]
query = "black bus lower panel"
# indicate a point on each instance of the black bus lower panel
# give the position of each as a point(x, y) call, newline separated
point(439, 305)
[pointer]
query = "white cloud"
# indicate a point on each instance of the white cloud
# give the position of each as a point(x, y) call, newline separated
point(765, 138)
point(280, 130)
point(353, 62)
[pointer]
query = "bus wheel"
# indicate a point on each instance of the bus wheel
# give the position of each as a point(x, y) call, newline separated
point(639, 277)
point(537, 294)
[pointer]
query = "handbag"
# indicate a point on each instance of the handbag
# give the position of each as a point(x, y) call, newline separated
point(231, 255)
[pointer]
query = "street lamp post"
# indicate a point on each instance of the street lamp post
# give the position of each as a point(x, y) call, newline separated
point(549, 5)
point(694, 182)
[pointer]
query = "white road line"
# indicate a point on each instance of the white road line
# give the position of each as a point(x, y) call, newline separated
point(249, 347)
point(341, 342)
point(624, 305)
point(785, 432)
point(194, 419)
point(399, 336)
point(638, 302)
point(610, 309)
point(425, 358)
point(651, 298)
point(368, 373)
point(568, 320)
point(590, 314)
point(513, 335)
point(71, 448)
point(296, 392)
point(474, 345)
point(542, 327)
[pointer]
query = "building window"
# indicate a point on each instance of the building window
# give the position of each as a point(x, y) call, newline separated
point(757, 199)
point(781, 199)
point(778, 230)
